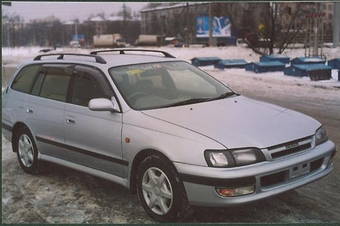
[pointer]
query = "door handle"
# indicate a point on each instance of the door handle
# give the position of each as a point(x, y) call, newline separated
point(29, 110)
point(70, 121)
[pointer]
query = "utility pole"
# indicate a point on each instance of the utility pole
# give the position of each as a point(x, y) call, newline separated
point(124, 22)
point(336, 24)
point(210, 25)
point(186, 34)
point(316, 31)
point(76, 29)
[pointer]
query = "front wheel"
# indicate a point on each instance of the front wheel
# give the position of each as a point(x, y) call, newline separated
point(160, 190)
point(27, 153)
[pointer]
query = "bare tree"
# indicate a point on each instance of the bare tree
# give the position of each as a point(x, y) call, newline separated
point(152, 5)
point(282, 23)
point(125, 12)
point(293, 26)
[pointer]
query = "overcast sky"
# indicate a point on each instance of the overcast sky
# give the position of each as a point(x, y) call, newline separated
point(67, 10)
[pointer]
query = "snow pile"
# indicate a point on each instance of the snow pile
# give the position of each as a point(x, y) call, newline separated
point(313, 60)
point(247, 54)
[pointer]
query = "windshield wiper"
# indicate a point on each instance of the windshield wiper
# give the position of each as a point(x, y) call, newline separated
point(200, 100)
point(189, 101)
point(224, 95)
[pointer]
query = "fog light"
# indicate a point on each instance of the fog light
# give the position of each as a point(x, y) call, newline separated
point(233, 192)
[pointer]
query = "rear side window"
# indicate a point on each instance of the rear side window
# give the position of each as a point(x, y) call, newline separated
point(52, 82)
point(23, 82)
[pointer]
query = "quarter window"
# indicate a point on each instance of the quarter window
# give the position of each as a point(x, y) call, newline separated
point(23, 82)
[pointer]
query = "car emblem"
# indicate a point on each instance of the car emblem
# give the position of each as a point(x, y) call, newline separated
point(289, 146)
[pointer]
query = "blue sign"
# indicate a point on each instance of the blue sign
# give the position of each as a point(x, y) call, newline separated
point(78, 37)
point(221, 26)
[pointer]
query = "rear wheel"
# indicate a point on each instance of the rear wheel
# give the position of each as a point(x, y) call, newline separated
point(27, 153)
point(160, 190)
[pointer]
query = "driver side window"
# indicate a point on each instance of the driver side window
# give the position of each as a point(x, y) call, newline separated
point(88, 84)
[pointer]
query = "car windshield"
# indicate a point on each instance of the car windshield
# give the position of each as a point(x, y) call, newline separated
point(166, 84)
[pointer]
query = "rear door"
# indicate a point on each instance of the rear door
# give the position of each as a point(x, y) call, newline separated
point(44, 108)
point(93, 138)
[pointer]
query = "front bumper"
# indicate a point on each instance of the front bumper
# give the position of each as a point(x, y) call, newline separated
point(269, 178)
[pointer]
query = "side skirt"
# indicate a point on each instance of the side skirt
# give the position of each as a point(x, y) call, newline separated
point(119, 180)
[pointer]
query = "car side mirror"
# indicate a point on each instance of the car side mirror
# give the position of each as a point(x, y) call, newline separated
point(103, 104)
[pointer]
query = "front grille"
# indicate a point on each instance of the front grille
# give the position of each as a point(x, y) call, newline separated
point(291, 151)
point(290, 148)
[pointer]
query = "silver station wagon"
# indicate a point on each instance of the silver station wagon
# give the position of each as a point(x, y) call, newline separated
point(160, 127)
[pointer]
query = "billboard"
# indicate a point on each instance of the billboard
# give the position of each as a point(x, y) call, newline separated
point(221, 26)
point(78, 37)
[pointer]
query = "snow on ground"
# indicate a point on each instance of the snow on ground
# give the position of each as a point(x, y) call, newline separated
point(248, 55)
point(12, 56)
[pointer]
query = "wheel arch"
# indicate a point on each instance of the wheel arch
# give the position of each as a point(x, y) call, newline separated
point(136, 163)
point(17, 126)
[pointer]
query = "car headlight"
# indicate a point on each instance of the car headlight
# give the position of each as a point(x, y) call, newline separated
point(320, 136)
point(232, 158)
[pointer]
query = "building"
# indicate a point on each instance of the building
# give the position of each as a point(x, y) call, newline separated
point(181, 19)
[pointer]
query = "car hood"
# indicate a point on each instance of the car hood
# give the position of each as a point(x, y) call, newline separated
point(240, 122)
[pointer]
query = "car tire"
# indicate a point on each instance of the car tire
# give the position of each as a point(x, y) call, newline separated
point(160, 190)
point(26, 149)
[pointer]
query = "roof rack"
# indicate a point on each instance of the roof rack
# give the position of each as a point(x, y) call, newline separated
point(122, 51)
point(98, 59)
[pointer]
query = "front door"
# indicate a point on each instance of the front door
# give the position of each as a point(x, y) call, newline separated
point(93, 138)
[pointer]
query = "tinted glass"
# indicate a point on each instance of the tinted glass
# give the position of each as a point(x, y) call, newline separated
point(88, 84)
point(24, 80)
point(53, 82)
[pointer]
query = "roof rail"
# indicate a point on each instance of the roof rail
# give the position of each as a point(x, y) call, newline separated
point(122, 51)
point(98, 59)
